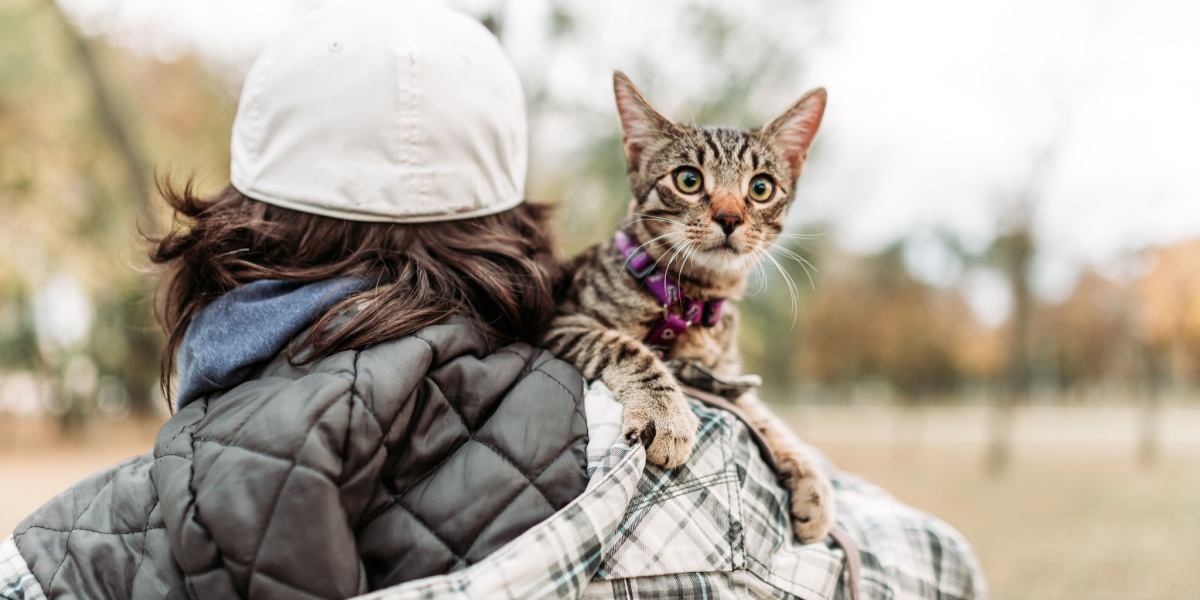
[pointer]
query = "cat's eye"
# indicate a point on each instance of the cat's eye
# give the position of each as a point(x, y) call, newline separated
point(762, 187)
point(688, 180)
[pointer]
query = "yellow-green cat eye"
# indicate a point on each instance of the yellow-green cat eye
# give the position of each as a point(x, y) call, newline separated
point(688, 180)
point(762, 187)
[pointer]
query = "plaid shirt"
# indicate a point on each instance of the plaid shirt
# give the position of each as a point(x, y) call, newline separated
point(715, 528)
point(16, 582)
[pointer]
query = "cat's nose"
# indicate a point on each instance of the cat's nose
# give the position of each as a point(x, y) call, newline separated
point(728, 222)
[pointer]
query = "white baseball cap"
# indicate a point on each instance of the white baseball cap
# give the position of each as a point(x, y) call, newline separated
point(378, 110)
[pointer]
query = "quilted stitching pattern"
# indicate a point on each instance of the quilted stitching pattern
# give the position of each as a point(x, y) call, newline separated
point(112, 515)
point(411, 458)
point(502, 480)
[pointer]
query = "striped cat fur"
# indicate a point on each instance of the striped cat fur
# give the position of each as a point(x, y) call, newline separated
point(708, 204)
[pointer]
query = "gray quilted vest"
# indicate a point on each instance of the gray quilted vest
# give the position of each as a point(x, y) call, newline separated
point(368, 468)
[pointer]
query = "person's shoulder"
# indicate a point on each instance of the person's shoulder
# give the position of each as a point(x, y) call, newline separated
point(460, 357)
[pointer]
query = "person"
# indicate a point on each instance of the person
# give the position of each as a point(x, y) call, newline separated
point(356, 409)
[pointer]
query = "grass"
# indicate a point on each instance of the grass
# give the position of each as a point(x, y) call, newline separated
point(1075, 516)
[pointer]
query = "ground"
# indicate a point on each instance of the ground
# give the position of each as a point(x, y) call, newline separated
point(1075, 516)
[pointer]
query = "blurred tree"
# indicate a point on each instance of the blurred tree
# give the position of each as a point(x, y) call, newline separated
point(126, 344)
point(1168, 309)
point(840, 325)
point(108, 116)
point(1013, 252)
point(77, 120)
point(870, 318)
point(915, 348)
point(18, 337)
point(1167, 317)
point(1084, 338)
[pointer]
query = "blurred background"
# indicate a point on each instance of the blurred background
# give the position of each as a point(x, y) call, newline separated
point(989, 300)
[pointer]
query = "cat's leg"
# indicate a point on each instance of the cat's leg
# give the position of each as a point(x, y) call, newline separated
point(812, 505)
point(655, 411)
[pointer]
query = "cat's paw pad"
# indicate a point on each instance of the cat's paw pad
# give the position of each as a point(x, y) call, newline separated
point(812, 505)
point(669, 435)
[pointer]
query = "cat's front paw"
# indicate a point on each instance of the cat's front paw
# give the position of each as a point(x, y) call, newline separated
point(812, 505)
point(666, 426)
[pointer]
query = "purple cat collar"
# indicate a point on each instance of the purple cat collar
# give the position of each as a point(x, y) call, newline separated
point(669, 294)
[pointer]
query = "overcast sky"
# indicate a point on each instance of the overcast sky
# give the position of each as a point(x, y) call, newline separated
point(943, 114)
point(943, 106)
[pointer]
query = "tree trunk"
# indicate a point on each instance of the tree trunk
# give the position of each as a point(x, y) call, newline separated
point(109, 117)
point(1149, 430)
point(137, 177)
point(1017, 250)
point(1149, 443)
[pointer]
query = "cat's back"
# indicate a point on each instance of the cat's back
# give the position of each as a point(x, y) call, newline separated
point(586, 267)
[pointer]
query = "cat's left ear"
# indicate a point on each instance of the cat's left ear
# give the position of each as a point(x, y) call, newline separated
point(792, 132)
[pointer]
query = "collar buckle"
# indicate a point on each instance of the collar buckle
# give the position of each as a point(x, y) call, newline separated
point(646, 265)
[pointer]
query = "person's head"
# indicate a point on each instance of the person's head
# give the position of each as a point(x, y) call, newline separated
point(385, 140)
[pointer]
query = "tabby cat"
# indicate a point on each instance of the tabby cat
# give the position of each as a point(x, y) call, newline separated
point(707, 205)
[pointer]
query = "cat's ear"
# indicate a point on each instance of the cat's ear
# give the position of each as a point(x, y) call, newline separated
point(792, 132)
point(641, 123)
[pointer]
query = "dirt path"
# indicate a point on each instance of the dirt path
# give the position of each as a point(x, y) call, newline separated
point(37, 462)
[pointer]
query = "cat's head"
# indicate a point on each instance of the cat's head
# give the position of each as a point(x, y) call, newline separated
point(717, 197)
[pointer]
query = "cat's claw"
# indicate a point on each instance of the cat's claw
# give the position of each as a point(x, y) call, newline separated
point(668, 436)
point(812, 505)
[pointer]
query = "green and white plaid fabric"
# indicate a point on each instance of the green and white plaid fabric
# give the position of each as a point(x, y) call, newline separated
point(15, 579)
point(714, 528)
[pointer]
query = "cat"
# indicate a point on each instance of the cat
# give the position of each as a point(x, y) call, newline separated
point(707, 205)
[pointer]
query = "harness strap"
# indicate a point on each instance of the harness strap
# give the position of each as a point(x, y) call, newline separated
point(853, 571)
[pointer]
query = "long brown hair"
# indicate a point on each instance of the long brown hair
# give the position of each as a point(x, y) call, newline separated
point(500, 269)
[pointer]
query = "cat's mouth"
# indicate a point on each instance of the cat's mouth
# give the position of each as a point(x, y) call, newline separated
point(725, 246)
point(726, 252)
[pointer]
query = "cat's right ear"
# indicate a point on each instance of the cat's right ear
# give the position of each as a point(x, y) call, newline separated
point(641, 123)
point(793, 131)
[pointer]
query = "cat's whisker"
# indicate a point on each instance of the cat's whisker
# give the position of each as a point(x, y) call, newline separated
point(686, 245)
point(759, 271)
point(800, 239)
point(765, 276)
point(669, 252)
point(688, 248)
point(788, 252)
point(658, 218)
point(658, 221)
point(793, 292)
point(682, 252)
point(809, 268)
point(803, 236)
point(692, 252)
point(635, 250)
point(683, 261)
